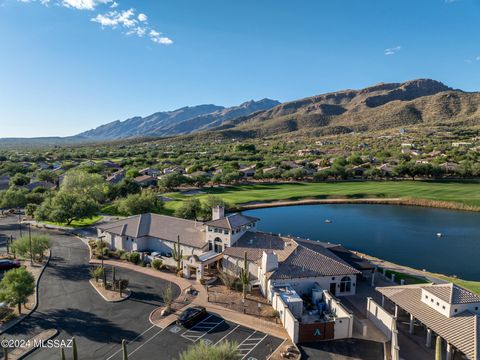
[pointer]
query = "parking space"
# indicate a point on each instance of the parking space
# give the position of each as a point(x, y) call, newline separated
point(169, 342)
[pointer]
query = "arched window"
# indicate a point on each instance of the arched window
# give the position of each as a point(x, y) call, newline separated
point(345, 284)
point(217, 245)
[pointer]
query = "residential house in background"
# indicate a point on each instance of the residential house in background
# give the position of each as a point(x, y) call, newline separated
point(150, 172)
point(116, 177)
point(145, 180)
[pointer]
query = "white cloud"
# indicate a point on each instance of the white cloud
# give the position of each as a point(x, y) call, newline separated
point(116, 18)
point(157, 37)
point(128, 20)
point(84, 4)
point(477, 58)
point(392, 51)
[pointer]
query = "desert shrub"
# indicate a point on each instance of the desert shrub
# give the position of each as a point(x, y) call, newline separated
point(157, 264)
point(134, 257)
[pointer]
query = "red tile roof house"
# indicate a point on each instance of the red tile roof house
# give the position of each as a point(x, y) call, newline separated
point(275, 262)
point(272, 259)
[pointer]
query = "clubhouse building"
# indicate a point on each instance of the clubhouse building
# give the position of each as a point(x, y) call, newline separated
point(273, 260)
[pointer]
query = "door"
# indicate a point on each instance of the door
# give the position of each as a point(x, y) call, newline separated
point(333, 288)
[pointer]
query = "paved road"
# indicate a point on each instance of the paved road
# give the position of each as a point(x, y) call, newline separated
point(70, 304)
point(251, 344)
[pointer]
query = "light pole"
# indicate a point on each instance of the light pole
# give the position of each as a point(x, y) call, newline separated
point(20, 222)
point(30, 238)
point(101, 247)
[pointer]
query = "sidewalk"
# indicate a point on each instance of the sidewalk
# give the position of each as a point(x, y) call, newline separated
point(201, 300)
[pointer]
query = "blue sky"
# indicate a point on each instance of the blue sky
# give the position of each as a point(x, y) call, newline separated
point(71, 65)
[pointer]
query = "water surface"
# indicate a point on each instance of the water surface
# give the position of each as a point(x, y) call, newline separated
point(402, 234)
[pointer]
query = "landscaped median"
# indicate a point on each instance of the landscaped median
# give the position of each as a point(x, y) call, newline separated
point(19, 285)
point(109, 293)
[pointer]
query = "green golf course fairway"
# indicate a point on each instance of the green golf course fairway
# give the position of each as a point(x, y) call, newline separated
point(457, 194)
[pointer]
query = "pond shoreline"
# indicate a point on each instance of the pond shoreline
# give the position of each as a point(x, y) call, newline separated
point(382, 201)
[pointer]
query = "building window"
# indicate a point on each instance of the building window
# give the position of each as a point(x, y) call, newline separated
point(426, 296)
point(476, 308)
point(438, 304)
point(217, 245)
point(443, 307)
point(431, 300)
point(456, 310)
point(225, 232)
point(345, 284)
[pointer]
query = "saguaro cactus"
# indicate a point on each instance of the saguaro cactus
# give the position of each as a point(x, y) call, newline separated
point(124, 350)
point(62, 354)
point(244, 275)
point(113, 277)
point(438, 349)
point(177, 253)
point(74, 349)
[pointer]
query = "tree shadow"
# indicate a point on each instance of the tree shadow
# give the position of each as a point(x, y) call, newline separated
point(76, 322)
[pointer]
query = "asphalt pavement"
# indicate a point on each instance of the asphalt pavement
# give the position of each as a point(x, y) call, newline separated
point(69, 303)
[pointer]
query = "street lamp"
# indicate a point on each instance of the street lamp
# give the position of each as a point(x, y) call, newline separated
point(30, 238)
point(101, 247)
point(20, 222)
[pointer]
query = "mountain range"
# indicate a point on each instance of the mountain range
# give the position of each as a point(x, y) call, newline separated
point(177, 122)
point(421, 102)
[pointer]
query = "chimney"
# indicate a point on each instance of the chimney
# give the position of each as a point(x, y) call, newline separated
point(218, 212)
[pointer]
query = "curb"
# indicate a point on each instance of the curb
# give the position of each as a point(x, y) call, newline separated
point(151, 321)
point(37, 285)
point(35, 348)
point(110, 301)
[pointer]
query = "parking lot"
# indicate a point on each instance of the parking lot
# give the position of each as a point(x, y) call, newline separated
point(169, 342)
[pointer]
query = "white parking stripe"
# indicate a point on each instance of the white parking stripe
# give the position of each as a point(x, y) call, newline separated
point(258, 343)
point(134, 351)
point(116, 352)
point(250, 343)
point(231, 331)
point(201, 329)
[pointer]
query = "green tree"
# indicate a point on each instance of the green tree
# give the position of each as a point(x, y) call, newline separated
point(46, 175)
point(171, 181)
point(66, 207)
point(145, 202)
point(13, 198)
point(39, 243)
point(96, 272)
point(190, 209)
point(226, 350)
point(79, 182)
point(16, 286)
point(19, 180)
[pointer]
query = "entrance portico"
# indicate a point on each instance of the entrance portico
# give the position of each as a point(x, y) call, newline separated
point(196, 264)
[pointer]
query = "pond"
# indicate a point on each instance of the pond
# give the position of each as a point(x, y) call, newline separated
point(406, 235)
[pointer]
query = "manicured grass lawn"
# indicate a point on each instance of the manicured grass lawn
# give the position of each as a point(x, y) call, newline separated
point(78, 223)
point(473, 286)
point(409, 279)
point(466, 193)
